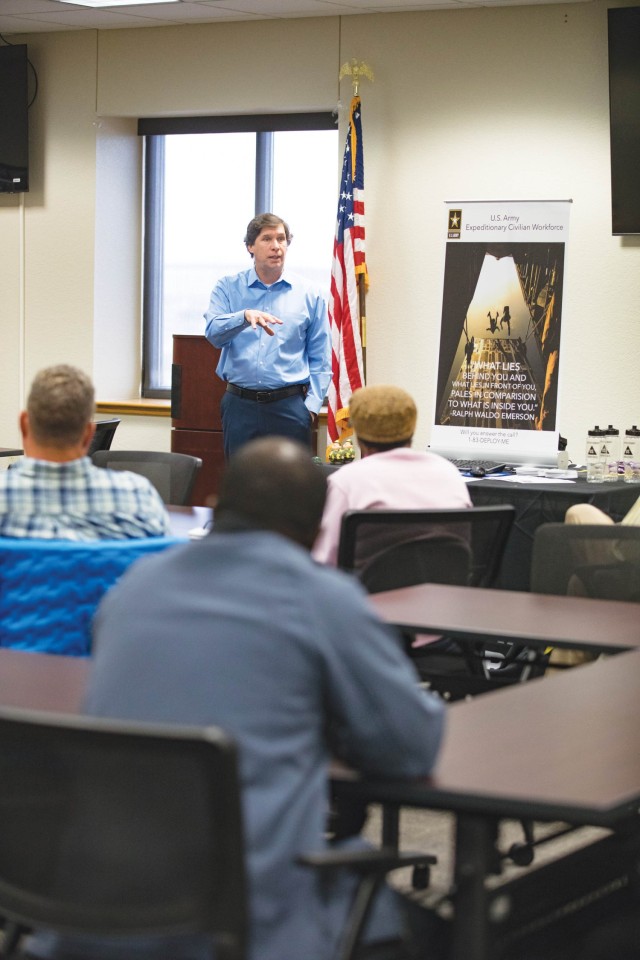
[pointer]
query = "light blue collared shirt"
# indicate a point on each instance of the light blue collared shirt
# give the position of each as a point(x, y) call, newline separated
point(315, 694)
point(298, 352)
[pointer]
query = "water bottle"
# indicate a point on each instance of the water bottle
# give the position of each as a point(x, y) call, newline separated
point(593, 456)
point(631, 454)
point(611, 453)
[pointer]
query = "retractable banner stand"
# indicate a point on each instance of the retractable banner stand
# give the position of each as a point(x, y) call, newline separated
point(499, 356)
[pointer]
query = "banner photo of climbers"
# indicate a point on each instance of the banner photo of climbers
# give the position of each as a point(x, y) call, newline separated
point(499, 356)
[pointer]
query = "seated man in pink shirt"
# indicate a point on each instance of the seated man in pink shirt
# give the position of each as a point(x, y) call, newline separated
point(389, 475)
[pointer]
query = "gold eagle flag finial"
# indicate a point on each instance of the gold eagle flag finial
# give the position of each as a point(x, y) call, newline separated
point(355, 69)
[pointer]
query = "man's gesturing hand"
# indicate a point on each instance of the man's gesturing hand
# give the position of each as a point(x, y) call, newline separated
point(258, 318)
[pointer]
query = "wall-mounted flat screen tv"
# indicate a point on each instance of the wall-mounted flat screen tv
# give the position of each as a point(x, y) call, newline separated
point(624, 113)
point(14, 126)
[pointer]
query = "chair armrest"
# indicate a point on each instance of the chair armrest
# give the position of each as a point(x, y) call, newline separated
point(380, 861)
point(371, 866)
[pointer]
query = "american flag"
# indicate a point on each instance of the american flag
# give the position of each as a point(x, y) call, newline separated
point(348, 264)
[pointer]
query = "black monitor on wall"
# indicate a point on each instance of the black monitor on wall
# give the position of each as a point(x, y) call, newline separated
point(14, 126)
point(624, 112)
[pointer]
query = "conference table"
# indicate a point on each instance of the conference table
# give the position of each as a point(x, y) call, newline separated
point(563, 748)
point(533, 619)
point(42, 681)
point(543, 501)
point(537, 501)
point(185, 520)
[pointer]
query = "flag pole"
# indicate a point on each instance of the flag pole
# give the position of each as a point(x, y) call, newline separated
point(356, 69)
point(362, 303)
point(349, 279)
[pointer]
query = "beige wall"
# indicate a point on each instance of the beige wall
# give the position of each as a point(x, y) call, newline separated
point(469, 104)
point(262, 67)
point(46, 305)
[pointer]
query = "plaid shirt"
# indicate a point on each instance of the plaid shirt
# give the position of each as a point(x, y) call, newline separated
point(77, 501)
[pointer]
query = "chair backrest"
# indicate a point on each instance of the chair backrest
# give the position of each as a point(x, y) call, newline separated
point(49, 589)
point(121, 829)
point(102, 438)
point(449, 546)
point(437, 559)
point(600, 561)
point(172, 474)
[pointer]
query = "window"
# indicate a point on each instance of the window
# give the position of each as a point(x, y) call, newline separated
point(205, 178)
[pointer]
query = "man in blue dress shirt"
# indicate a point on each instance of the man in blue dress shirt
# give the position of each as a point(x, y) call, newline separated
point(273, 331)
point(244, 631)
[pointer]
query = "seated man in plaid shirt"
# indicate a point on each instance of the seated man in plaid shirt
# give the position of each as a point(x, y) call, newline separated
point(54, 492)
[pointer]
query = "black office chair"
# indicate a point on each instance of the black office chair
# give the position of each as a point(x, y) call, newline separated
point(476, 535)
point(590, 560)
point(103, 437)
point(115, 829)
point(600, 561)
point(438, 559)
point(173, 474)
point(388, 549)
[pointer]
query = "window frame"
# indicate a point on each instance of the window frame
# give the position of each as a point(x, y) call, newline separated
point(154, 130)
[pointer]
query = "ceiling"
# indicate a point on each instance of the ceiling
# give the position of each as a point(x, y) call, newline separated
point(39, 16)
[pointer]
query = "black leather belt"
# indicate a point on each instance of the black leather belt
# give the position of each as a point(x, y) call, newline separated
point(268, 396)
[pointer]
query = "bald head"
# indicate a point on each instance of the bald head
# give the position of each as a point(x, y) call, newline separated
point(273, 484)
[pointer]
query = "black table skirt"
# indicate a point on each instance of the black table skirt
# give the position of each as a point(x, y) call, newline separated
point(537, 503)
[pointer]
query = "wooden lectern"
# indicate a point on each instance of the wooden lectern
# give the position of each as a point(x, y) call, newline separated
point(196, 392)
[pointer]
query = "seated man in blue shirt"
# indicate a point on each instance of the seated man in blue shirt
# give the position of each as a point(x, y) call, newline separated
point(244, 631)
point(54, 492)
point(273, 331)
